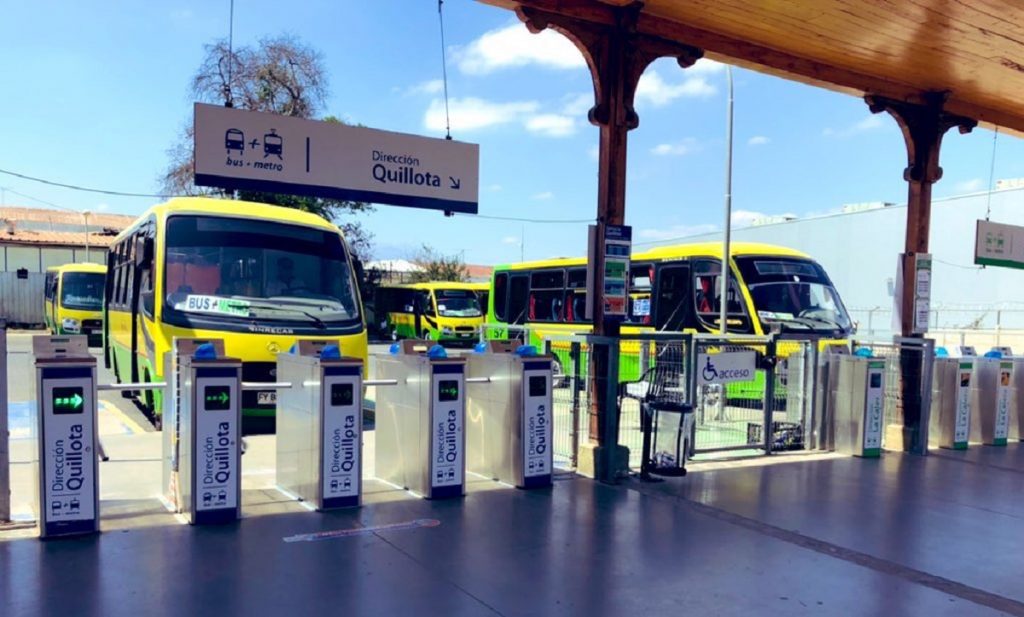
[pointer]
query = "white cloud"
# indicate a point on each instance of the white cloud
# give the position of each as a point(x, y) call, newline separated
point(102, 207)
point(705, 66)
point(677, 231)
point(551, 125)
point(494, 188)
point(472, 113)
point(686, 146)
point(469, 114)
point(969, 186)
point(510, 240)
point(869, 123)
point(434, 86)
point(593, 152)
point(656, 91)
point(542, 196)
point(577, 104)
point(758, 140)
point(515, 46)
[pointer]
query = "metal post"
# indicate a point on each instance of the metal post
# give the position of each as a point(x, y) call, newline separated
point(576, 382)
point(86, 214)
point(769, 394)
point(691, 388)
point(5, 453)
point(610, 425)
point(645, 356)
point(723, 325)
point(928, 370)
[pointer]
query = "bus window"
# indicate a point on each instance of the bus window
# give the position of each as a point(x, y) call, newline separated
point(546, 295)
point(518, 291)
point(706, 297)
point(576, 296)
point(672, 302)
point(424, 303)
point(640, 277)
point(500, 296)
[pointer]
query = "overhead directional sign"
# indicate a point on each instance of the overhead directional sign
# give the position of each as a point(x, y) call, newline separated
point(997, 244)
point(245, 150)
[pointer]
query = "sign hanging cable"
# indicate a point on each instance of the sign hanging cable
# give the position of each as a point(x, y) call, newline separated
point(444, 72)
point(991, 174)
point(229, 87)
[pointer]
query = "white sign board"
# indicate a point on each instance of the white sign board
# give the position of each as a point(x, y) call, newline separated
point(246, 150)
point(1002, 426)
point(922, 291)
point(216, 444)
point(725, 367)
point(997, 244)
point(962, 420)
point(342, 439)
point(537, 452)
point(69, 461)
point(447, 441)
point(875, 401)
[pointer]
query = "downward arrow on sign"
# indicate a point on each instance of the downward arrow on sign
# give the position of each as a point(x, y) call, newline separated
point(455, 183)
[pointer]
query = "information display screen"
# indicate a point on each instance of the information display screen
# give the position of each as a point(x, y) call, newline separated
point(217, 398)
point(341, 394)
point(538, 385)
point(68, 400)
point(448, 390)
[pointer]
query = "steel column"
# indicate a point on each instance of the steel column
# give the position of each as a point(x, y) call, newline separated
point(5, 453)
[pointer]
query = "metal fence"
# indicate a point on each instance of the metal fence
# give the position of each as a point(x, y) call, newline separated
point(21, 299)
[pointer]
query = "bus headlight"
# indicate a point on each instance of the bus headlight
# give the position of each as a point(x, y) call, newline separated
point(71, 325)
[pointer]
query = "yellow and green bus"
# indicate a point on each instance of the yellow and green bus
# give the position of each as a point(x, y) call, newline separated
point(441, 311)
point(258, 277)
point(676, 289)
point(73, 300)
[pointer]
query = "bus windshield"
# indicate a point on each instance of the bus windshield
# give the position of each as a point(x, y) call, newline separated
point(243, 268)
point(82, 290)
point(794, 293)
point(457, 303)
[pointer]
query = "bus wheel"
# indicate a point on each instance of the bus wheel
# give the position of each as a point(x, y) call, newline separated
point(426, 335)
point(394, 334)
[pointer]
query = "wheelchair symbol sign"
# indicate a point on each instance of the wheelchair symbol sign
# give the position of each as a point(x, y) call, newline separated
point(726, 367)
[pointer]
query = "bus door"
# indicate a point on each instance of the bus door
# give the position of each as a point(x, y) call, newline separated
point(518, 302)
point(671, 306)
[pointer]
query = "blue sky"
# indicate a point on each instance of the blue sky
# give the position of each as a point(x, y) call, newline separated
point(95, 97)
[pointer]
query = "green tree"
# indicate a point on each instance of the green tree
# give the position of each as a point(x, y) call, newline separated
point(280, 75)
point(437, 267)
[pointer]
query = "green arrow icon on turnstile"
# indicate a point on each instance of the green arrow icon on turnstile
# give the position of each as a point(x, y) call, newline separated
point(222, 398)
point(76, 401)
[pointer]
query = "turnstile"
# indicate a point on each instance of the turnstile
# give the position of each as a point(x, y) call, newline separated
point(420, 441)
point(66, 466)
point(951, 403)
point(859, 403)
point(509, 416)
point(319, 425)
point(990, 400)
point(209, 454)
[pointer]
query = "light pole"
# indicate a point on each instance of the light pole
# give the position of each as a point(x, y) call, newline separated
point(726, 239)
point(85, 215)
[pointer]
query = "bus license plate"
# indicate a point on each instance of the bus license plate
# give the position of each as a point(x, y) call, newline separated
point(266, 398)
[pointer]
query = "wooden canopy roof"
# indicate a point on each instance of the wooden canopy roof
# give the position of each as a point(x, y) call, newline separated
point(972, 49)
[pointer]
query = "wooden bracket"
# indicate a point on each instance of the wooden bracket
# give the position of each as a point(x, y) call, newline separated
point(923, 126)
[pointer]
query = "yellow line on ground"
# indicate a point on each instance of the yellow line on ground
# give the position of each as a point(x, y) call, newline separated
point(123, 418)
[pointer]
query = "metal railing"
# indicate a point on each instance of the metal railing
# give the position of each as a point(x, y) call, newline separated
point(5, 452)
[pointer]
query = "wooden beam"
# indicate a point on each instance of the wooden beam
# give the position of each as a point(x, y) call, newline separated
point(770, 61)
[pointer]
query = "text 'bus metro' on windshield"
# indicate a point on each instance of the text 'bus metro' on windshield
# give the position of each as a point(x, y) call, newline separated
point(290, 278)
